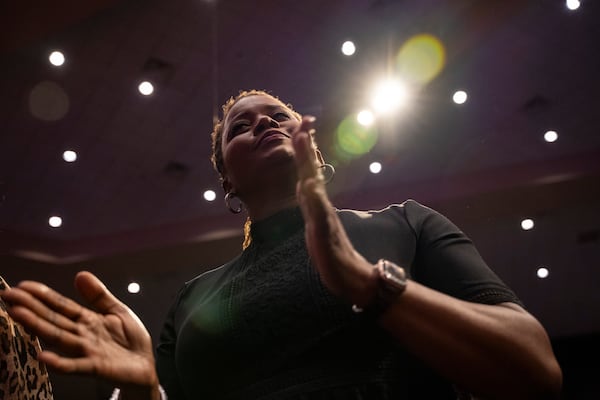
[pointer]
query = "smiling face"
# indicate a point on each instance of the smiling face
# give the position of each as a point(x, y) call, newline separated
point(256, 141)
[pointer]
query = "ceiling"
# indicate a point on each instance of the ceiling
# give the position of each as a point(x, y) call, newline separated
point(143, 161)
point(133, 201)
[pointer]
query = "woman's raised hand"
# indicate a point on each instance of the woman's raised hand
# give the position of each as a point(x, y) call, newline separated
point(110, 342)
point(341, 268)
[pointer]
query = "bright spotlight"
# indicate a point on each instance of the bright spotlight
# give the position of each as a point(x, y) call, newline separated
point(365, 117)
point(459, 97)
point(210, 195)
point(389, 96)
point(146, 88)
point(348, 48)
point(57, 58)
point(55, 221)
point(551, 136)
point(375, 167)
point(573, 4)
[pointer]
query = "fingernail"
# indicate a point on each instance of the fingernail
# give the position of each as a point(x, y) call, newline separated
point(310, 118)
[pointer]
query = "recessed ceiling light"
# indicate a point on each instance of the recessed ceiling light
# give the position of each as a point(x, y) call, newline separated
point(210, 195)
point(542, 272)
point(527, 224)
point(348, 48)
point(69, 156)
point(375, 167)
point(365, 117)
point(133, 287)
point(551, 136)
point(55, 221)
point(57, 58)
point(146, 88)
point(459, 97)
point(573, 4)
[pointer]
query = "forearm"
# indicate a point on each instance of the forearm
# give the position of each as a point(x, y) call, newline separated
point(492, 351)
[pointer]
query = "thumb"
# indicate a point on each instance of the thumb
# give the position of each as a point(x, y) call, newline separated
point(305, 153)
point(95, 293)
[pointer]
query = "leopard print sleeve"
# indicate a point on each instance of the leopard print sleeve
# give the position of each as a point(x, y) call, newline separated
point(22, 376)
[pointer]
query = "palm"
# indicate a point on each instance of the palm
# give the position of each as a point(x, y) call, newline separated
point(110, 342)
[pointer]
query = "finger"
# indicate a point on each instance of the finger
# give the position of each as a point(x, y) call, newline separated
point(96, 294)
point(305, 155)
point(45, 303)
point(50, 333)
point(79, 365)
point(56, 301)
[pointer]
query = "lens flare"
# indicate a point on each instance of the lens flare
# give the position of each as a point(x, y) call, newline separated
point(421, 58)
point(353, 139)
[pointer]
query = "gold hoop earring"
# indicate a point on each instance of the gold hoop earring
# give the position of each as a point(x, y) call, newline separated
point(228, 198)
point(327, 173)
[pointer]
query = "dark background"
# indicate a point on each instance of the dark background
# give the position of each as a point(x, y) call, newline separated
point(132, 204)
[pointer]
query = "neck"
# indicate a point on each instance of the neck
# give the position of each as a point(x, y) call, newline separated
point(260, 209)
point(266, 200)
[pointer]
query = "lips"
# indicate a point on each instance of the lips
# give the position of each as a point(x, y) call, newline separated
point(271, 135)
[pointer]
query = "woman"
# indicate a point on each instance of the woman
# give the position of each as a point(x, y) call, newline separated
point(318, 305)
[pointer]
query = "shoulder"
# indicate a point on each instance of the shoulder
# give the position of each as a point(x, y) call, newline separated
point(409, 211)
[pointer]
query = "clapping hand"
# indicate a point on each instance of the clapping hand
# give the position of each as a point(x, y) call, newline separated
point(110, 342)
point(341, 268)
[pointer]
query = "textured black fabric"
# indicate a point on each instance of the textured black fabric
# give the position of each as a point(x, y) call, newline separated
point(264, 327)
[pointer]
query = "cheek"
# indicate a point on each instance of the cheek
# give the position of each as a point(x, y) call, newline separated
point(237, 158)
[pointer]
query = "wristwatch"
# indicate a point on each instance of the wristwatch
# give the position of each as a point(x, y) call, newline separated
point(391, 284)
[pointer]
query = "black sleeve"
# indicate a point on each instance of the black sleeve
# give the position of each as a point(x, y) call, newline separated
point(446, 260)
point(165, 355)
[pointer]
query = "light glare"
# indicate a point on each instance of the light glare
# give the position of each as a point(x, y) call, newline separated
point(459, 97)
point(55, 221)
point(348, 48)
point(57, 58)
point(133, 287)
point(389, 96)
point(210, 195)
point(365, 117)
point(375, 167)
point(542, 272)
point(146, 88)
point(527, 224)
point(551, 136)
point(69, 156)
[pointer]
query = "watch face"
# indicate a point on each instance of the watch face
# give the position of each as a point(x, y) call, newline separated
point(393, 274)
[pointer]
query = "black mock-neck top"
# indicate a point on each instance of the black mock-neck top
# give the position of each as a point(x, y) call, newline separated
point(263, 326)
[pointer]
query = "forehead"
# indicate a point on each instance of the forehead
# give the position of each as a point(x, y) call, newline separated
point(253, 103)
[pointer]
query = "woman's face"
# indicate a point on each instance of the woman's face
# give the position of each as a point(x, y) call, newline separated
point(256, 141)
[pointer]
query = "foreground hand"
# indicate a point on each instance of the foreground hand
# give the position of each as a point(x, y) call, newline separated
point(111, 343)
point(341, 268)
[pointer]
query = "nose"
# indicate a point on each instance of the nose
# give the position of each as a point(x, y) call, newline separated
point(266, 122)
